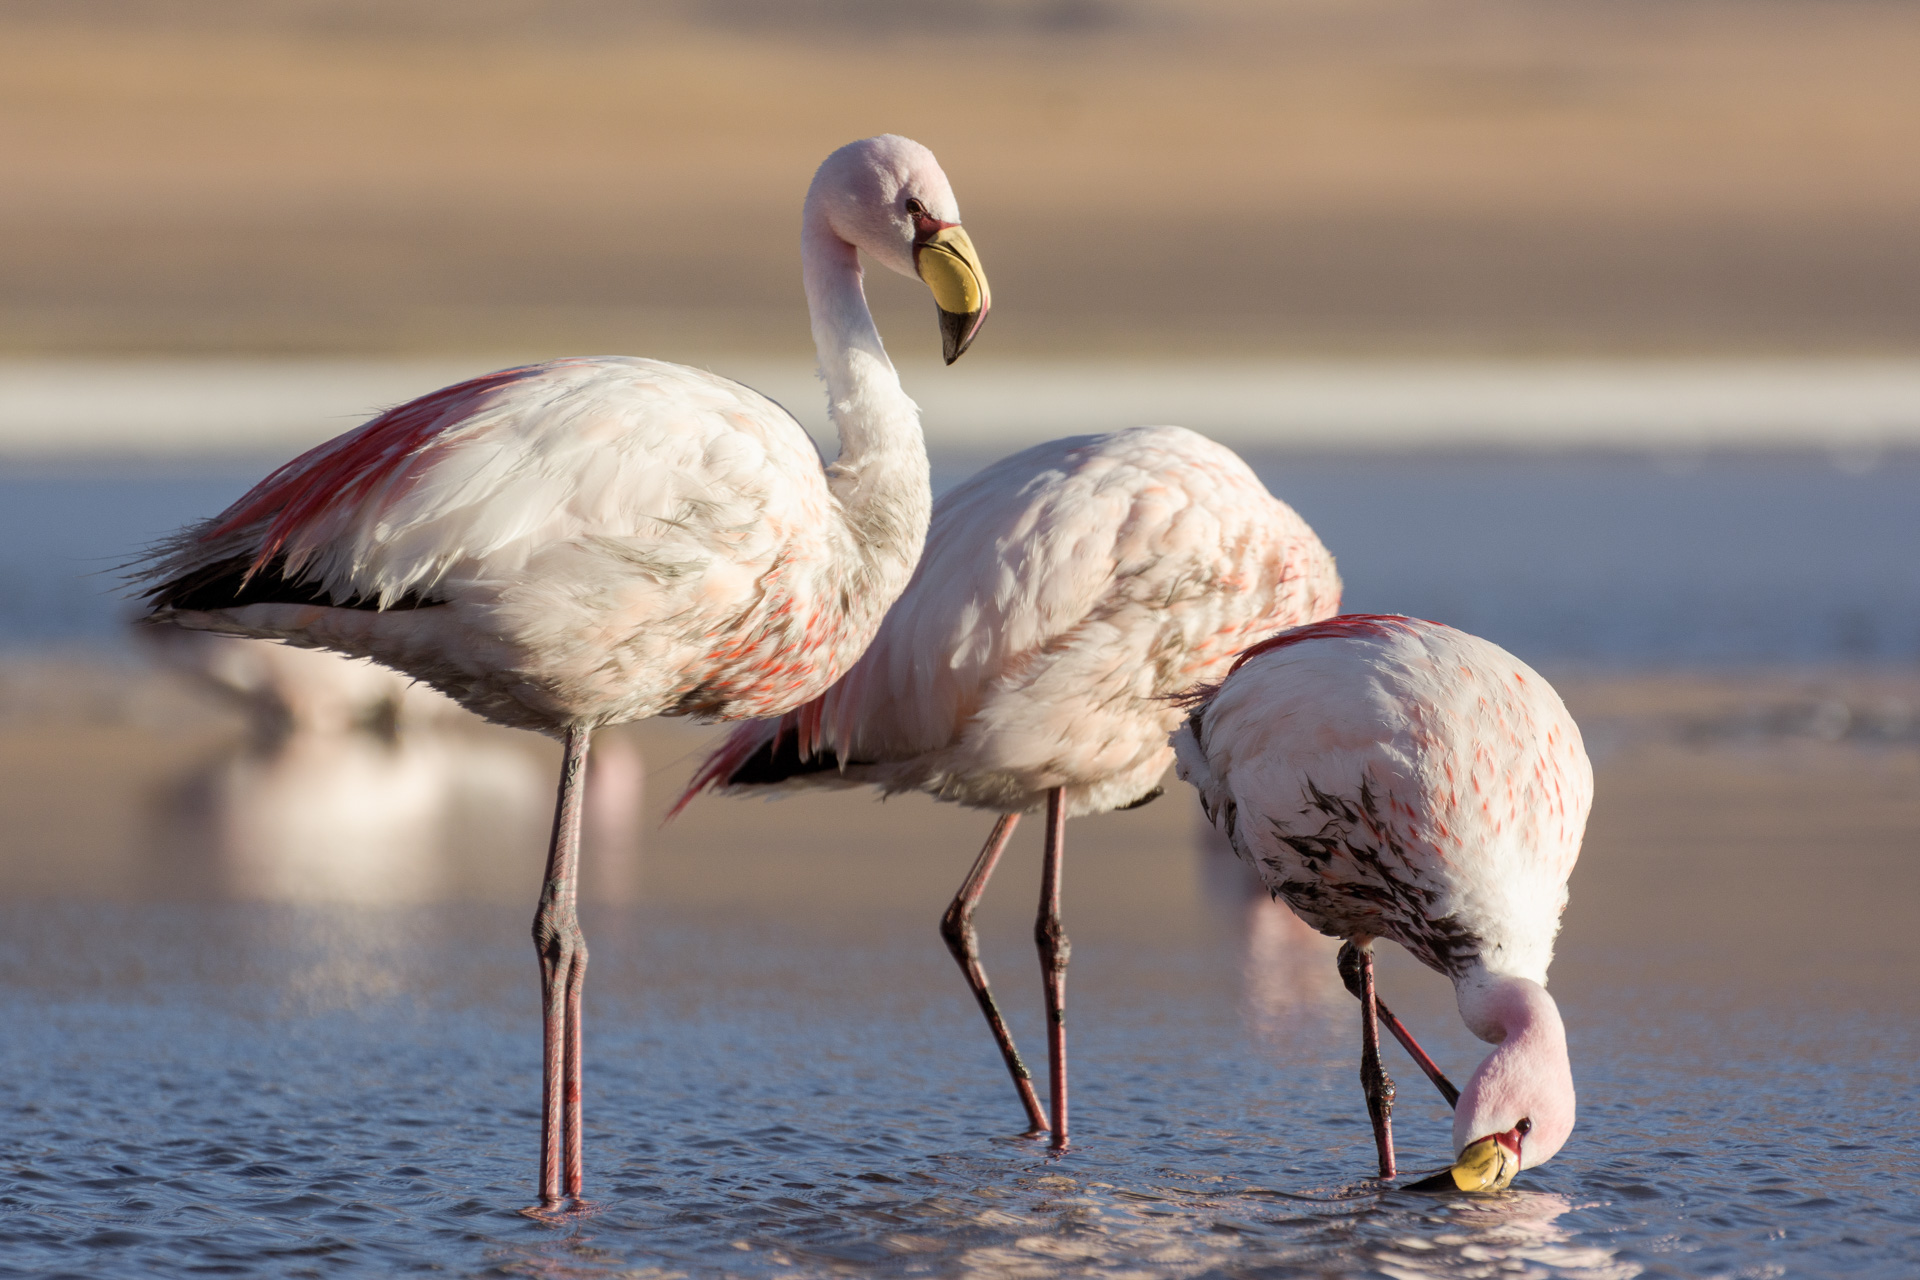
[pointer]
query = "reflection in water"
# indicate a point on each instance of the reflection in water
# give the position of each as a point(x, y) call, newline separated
point(352, 817)
point(356, 786)
point(1287, 969)
point(1510, 1234)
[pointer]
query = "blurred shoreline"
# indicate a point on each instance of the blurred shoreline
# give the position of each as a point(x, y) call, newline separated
point(83, 409)
point(1149, 178)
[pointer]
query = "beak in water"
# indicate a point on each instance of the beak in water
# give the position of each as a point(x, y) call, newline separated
point(1486, 1165)
point(947, 262)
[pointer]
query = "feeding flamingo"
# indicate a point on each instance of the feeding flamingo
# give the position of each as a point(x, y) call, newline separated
point(591, 541)
point(1066, 593)
point(1392, 778)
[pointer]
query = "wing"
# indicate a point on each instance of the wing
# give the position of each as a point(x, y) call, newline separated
point(1401, 779)
point(668, 469)
point(1133, 563)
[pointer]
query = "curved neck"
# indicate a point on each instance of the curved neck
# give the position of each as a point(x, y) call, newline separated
point(864, 398)
point(880, 476)
point(1526, 1076)
point(1501, 1008)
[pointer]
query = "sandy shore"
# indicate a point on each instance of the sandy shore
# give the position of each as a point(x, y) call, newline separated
point(1765, 820)
point(1142, 176)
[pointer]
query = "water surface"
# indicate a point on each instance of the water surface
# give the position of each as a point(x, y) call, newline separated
point(1622, 559)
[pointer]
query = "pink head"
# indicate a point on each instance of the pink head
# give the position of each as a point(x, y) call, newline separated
point(1517, 1111)
point(888, 197)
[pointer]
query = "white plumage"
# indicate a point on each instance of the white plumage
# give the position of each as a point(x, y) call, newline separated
point(1067, 594)
point(602, 540)
point(589, 541)
point(1392, 778)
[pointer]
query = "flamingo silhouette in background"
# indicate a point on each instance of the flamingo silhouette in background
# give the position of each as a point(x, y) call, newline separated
point(286, 691)
point(591, 541)
point(1392, 778)
point(1066, 593)
point(357, 785)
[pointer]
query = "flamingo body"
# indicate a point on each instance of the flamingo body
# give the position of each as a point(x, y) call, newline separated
point(1392, 778)
point(582, 542)
point(1065, 594)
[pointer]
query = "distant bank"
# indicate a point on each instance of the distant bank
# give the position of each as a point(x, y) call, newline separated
point(85, 408)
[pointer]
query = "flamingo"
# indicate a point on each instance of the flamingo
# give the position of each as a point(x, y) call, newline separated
point(1393, 778)
point(590, 541)
point(304, 703)
point(288, 692)
point(1068, 591)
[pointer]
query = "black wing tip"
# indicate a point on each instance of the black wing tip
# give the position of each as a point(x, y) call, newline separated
point(777, 762)
point(233, 584)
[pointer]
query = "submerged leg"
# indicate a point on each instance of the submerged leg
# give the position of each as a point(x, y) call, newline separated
point(1373, 1077)
point(563, 967)
point(962, 940)
point(1051, 937)
point(1350, 974)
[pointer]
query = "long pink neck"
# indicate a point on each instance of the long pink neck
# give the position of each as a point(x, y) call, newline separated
point(1527, 1075)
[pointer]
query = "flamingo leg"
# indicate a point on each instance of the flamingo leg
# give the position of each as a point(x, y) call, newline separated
point(1055, 950)
point(956, 927)
point(1350, 974)
point(1373, 1076)
point(563, 969)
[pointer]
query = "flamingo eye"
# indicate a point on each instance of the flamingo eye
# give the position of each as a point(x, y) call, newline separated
point(1524, 1128)
point(915, 208)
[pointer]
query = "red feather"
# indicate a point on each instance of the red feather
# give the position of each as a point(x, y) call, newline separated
point(344, 471)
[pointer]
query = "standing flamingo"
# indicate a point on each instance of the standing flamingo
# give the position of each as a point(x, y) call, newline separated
point(1067, 593)
point(591, 541)
point(1392, 778)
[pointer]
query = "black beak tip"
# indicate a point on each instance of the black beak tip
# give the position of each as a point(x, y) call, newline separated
point(1438, 1182)
point(957, 331)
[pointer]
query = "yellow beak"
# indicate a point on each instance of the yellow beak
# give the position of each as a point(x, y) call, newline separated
point(1485, 1165)
point(947, 262)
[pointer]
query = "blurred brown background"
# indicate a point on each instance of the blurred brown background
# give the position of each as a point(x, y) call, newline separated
point(1172, 176)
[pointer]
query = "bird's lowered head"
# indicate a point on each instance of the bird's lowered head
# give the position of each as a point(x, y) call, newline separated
point(888, 197)
point(1517, 1110)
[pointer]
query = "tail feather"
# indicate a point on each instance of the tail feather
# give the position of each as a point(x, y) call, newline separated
point(763, 753)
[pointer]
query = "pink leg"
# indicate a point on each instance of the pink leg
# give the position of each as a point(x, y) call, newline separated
point(962, 940)
point(1350, 974)
point(1055, 950)
point(1419, 1055)
point(563, 968)
point(1373, 1076)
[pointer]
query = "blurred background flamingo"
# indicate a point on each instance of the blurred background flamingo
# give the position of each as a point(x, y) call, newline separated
point(356, 785)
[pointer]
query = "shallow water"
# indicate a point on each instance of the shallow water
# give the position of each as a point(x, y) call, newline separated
point(266, 1090)
point(785, 1076)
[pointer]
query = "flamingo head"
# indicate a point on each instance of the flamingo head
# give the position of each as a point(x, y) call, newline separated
point(888, 196)
point(1517, 1110)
